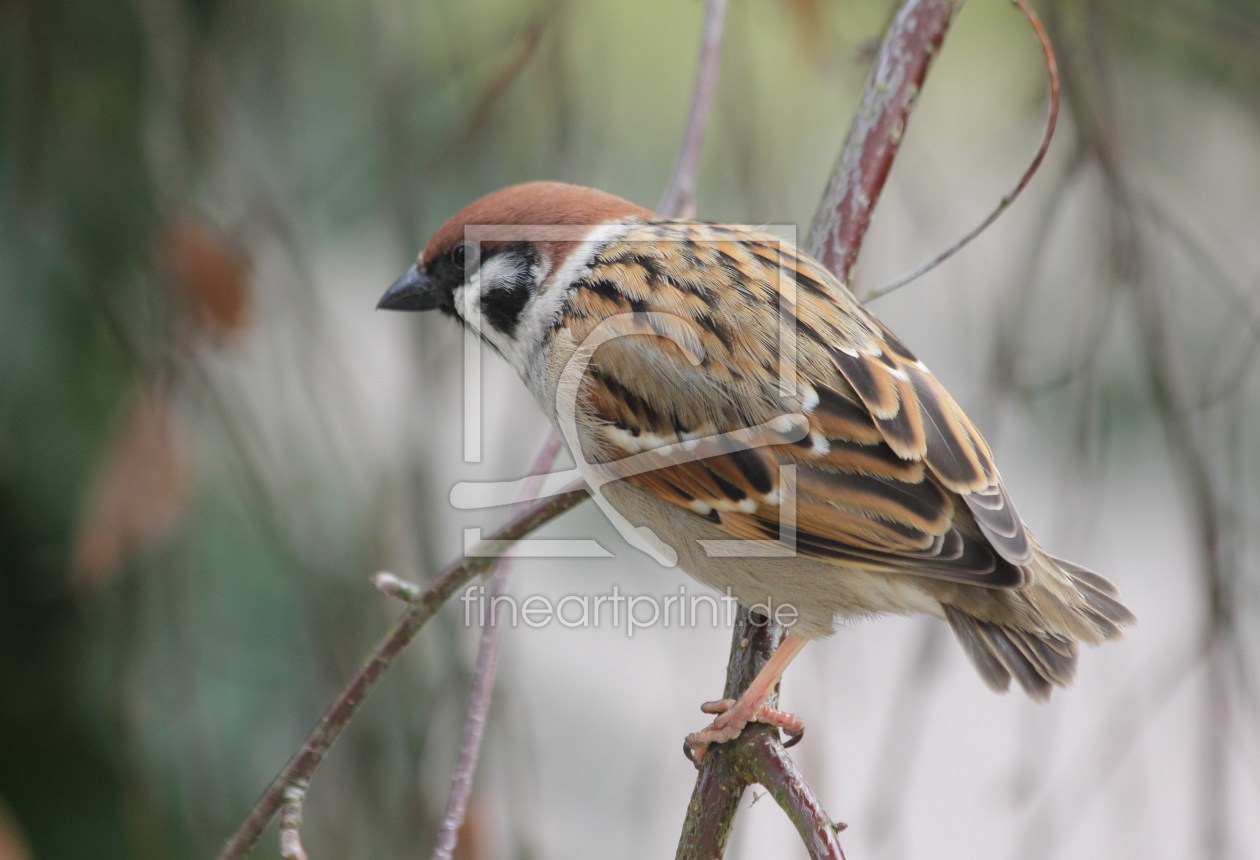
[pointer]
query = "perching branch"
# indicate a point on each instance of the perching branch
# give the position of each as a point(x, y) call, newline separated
point(300, 768)
point(721, 783)
point(913, 39)
point(757, 756)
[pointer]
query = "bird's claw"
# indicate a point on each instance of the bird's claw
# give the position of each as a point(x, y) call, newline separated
point(730, 724)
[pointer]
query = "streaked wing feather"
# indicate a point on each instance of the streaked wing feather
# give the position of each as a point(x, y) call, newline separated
point(892, 517)
point(888, 452)
point(925, 423)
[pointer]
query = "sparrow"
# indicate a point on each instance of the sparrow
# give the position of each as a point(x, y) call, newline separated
point(729, 398)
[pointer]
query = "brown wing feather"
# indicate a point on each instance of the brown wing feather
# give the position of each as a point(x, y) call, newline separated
point(920, 421)
point(886, 453)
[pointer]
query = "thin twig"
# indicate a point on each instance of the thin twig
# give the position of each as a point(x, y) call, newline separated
point(483, 680)
point(492, 93)
point(679, 199)
point(1052, 118)
point(913, 39)
point(304, 763)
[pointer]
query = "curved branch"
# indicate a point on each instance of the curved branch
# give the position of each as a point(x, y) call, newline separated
point(1052, 118)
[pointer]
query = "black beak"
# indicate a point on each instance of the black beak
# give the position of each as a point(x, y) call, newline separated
point(414, 291)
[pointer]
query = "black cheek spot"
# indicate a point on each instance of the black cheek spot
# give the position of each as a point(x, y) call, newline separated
point(502, 308)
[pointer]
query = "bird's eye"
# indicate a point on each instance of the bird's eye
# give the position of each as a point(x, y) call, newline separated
point(465, 257)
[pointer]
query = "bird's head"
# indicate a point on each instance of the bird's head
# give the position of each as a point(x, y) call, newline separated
point(490, 262)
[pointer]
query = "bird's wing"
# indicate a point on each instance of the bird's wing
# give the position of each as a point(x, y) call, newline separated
point(703, 393)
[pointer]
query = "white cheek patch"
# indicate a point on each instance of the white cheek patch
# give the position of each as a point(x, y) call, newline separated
point(499, 271)
point(468, 310)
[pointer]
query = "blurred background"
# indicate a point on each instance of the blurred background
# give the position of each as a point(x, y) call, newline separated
point(209, 441)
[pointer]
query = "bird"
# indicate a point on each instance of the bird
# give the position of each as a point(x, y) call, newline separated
point(720, 389)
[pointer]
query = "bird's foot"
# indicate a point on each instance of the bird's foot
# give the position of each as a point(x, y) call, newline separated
point(732, 716)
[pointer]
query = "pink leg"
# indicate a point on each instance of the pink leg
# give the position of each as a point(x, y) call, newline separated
point(751, 707)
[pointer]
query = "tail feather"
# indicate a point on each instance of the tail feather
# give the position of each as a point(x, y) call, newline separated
point(1104, 609)
point(1085, 576)
point(986, 660)
point(1037, 661)
point(1033, 639)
